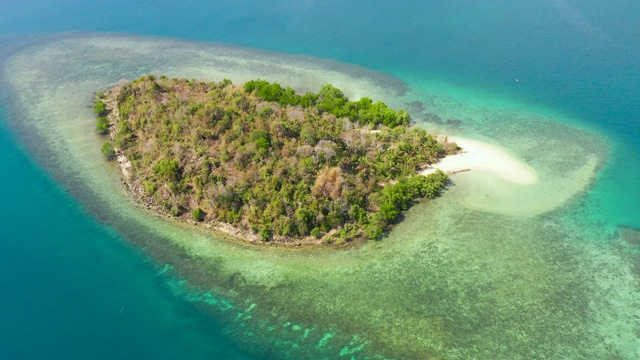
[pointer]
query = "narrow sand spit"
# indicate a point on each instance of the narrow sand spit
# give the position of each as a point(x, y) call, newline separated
point(492, 180)
point(481, 156)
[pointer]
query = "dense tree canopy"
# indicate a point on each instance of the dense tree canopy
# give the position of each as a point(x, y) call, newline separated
point(331, 100)
point(266, 159)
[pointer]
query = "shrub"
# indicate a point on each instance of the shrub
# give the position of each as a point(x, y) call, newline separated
point(374, 227)
point(175, 211)
point(108, 151)
point(198, 214)
point(261, 138)
point(266, 112)
point(265, 234)
point(167, 169)
point(100, 108)
point(149, 187)
point(373, 231)
point(388, 211)
point(102, 125)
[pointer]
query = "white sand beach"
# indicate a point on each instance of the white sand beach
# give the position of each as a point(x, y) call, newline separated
point(481, 156)
point(488, 178)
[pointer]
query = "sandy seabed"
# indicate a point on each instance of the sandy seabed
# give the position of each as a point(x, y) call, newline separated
point(482, 156)
point(501, 266)
point(495, 180)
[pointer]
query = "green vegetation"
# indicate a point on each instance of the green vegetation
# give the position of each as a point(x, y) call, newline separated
point(197, 214)
point(108, 151)
point(330, 100)
point(167, 170)
point(266, 159)
point(102, 125)
point(100, 108)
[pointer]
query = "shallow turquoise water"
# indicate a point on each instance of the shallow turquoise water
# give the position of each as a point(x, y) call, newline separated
point(68, 277)
point(73, 289)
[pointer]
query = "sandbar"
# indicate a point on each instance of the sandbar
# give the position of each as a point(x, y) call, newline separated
point(482, 156)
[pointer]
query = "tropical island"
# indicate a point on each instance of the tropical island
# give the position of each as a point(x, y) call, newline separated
point(267, 164)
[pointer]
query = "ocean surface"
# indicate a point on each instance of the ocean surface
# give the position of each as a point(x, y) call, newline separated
point(488, 271)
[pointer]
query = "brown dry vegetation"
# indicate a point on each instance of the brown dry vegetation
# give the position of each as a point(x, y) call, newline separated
point(291, 168)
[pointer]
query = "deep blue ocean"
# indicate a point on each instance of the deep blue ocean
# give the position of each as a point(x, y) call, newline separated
point(73, 288)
